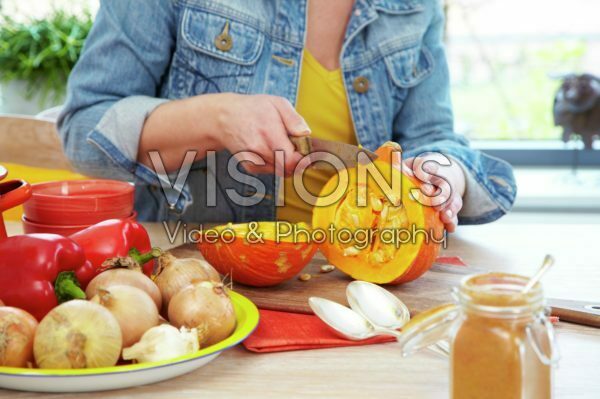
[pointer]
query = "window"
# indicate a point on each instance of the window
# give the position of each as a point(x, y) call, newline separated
point(39, 8)
point(506, 59)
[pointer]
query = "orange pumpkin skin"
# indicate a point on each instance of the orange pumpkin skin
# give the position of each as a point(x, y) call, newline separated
point(404, 265)
point(258, 264)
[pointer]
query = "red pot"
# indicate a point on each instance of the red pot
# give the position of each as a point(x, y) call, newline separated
point(12, 193)
point(79, 202)
point(30, 227)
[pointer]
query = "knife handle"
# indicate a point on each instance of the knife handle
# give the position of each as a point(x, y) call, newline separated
point(302, 144)
point(579, 312)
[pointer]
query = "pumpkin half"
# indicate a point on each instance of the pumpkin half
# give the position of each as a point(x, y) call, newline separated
point(259, 254)
point(396, 239)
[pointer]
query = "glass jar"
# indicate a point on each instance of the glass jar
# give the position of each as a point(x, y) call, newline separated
point(501, 342)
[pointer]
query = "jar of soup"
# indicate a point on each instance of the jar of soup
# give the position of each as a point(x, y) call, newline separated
point(501, 342)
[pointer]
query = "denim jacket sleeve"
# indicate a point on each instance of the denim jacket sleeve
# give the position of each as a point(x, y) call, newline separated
point(114, 87)
point(425, 124)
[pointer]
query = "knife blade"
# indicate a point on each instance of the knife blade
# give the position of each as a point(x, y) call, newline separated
point(578, 312)
point(347, 153)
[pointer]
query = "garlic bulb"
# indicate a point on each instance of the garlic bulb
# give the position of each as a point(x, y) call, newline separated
point(163, 342)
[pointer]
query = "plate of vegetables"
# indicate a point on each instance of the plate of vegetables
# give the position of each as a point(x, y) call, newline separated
point(121, 329)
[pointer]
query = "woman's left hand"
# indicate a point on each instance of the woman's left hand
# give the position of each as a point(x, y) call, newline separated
point(444, 185)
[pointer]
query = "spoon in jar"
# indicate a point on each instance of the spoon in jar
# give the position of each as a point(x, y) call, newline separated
point(546, 264)
point(382, 308)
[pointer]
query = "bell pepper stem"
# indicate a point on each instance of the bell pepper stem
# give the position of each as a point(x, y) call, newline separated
point(141, 258)
point(66, 287)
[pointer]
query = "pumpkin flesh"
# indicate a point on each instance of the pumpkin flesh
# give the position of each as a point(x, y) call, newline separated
point(386, 258)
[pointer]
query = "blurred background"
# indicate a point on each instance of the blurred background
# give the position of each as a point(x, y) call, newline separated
point(508, 60)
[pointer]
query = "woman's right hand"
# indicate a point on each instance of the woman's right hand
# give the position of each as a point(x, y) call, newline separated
point(260, 125)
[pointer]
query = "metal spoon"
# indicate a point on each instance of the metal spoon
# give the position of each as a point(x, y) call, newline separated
point(344, 321)
point(382, 308)
point(378, 305)
point(348, 324)
point(546, 264)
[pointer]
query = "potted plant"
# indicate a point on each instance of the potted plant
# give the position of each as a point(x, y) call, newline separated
point(36, 58)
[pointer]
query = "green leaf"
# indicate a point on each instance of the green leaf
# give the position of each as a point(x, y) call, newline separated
point(42, 52)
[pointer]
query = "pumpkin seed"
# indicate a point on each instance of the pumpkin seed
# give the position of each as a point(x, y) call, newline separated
point(327, 268)
point(376, 204)
point(383, 217)
point(377, 257)
point(304, 277)
point(351, 251)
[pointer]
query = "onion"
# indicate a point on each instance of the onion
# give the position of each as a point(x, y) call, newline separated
point(77, 334)
point(206, 307)
point(133, 308)
point(129, 277)
point(17, 329)
point(163, 342)
point(174, 274)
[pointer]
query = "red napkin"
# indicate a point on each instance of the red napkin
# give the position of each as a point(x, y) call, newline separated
point(283, 331)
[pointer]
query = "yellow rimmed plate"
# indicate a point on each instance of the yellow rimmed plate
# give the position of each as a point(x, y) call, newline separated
point(126, 376)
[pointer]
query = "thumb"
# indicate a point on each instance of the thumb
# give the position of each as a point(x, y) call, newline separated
point(293, 122)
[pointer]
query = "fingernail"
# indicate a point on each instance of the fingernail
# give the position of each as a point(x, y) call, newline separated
point(302, 127)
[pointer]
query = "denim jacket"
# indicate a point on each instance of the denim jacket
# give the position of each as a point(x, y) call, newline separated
point(141, 54)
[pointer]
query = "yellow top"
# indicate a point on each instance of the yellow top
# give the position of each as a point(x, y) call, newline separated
point(323, 103)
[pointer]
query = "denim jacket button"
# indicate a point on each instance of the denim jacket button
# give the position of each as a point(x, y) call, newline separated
point(361, 84)
point(224, 42)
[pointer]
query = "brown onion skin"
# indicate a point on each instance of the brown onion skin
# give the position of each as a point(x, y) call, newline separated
point(128, 277)
point(128, 313)
point(17, 331)
point(77, 334)
point(175, 274)
point(206, 307)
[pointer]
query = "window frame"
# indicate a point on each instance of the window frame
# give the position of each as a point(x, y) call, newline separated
point(553, 153)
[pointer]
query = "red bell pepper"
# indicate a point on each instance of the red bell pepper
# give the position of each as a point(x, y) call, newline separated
point(109, 239)
point(39, 271)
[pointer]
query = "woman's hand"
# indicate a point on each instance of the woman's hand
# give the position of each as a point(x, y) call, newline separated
point(444, 185)
point(256, 124)
point(260, 124)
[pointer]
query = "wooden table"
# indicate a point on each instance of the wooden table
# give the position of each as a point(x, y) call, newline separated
point(378, 371)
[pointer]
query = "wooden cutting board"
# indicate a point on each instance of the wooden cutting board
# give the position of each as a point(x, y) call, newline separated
point(432, 289)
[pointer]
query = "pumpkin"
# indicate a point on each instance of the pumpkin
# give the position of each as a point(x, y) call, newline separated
point(403, 237)
point(259, 254)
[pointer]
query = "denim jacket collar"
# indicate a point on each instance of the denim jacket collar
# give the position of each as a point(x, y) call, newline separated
point(398, 6)
point(366, 11)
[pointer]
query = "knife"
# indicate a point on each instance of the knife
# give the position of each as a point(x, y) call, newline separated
point(348, 153)
point(578, 312)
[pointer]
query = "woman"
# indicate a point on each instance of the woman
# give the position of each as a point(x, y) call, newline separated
point(236, 75)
